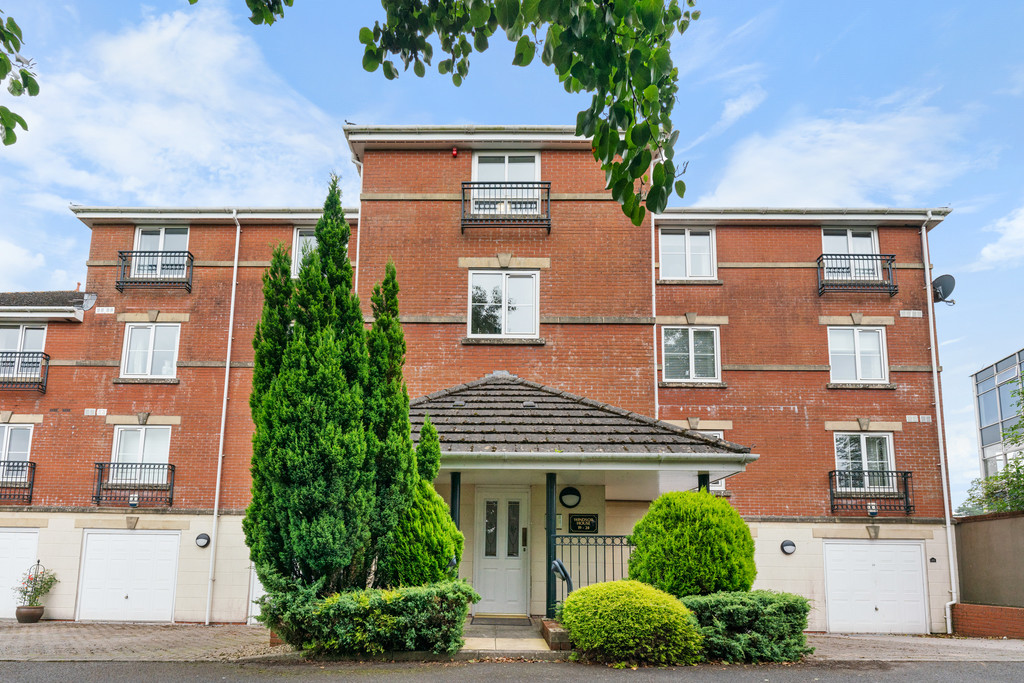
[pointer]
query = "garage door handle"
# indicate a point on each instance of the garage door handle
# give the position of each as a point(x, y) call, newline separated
point(126, 597)
point(876, 609)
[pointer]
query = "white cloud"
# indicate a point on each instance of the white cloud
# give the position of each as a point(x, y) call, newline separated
point(1008, 249)
point(732, 111)
point(16, 263)
point(852, 158)
point(1015, 87)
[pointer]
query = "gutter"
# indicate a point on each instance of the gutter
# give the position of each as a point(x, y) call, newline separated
point(933, 342)
point(223, 424)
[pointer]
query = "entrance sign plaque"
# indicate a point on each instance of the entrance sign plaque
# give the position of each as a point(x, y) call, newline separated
point(583, 524)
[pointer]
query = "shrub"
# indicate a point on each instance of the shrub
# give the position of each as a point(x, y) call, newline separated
point(630, 621)
point(372, 621)
point(422, 544)
point(759, 626)
point(693, 544)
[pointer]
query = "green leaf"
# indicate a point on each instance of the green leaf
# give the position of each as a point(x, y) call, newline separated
point(479, 14)
point(507, 12)
point(649, 12)
point(456, 79)
point(680, 188)
point(366, 36)
point(657, 199)
point(6, 117)
point(9, 136)
point(638, 215)
point(661, 62)
point(5, 66)
point(651, 93)
point(390, 72)
point(480, 41)
point(444, 66)
point(370, 60)
point(530, 11)
point(524, 52)
point(659, 174)
point(419, 69)
point(638, 135)
point(13, 27)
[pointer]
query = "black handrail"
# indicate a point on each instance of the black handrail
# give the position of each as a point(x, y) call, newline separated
point(17, 479)
point(857, 273)
point(589, 558)
point(154, 269)
point(134, 484)
point(24, 370)
point(515, 204)
point(870, 491)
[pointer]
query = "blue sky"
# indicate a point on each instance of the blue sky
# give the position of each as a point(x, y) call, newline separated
point(786, 103)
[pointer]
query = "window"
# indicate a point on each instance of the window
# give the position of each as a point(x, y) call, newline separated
point(997, 410)
point(150, 261)
point(849, 254)
point(690, 354)
point(864, 461)
point(21, 348)
point(139, 453)
point(150, 350)
point(14, 447)
point(857, 354)
point(687, 254)
point(503, 304)
point(718, 484)
point(305, 242)
point(506, 183)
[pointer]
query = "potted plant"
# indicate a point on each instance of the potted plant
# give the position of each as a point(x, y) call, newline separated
point(35, 584)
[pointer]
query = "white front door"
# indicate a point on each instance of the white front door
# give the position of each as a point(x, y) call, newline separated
point(17, 555)
point(502, 557)
point(128, 576)
point(875, 587)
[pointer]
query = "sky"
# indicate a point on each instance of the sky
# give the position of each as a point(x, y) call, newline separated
point(781, 103)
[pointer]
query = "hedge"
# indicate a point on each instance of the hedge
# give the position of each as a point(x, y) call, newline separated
point(759, 626)
point(628, 621)
point(374, 621)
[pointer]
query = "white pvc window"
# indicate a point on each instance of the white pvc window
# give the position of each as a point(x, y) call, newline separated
point(857, 354)
point(687, 254)
point(500, 188)
point(852, 242)
point(304, 242)
point(15, 443)
point(153, 262)
point(503, 304)
point(718, 484)
point(19, 346)
point(690, 354)
point(864, 461)
point(138, 454)
point(150, 350)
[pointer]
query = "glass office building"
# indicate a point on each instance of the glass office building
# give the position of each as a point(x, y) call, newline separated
point(996, 408)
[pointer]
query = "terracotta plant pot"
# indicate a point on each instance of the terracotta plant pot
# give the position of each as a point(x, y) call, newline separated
point(27, 614)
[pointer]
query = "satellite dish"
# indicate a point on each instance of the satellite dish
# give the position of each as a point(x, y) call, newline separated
point(88, 301)
point(942, 287)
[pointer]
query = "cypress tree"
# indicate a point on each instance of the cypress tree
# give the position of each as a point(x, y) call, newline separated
point(428, 453)
point(274, 327)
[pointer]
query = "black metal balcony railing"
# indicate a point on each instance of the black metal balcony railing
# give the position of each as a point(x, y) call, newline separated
point(877, 490)
point(24, 370)
point(857, 273)
point(134, 484)
point(155, 269)
point(590, 559)
point(519, 204)
point(16, 480)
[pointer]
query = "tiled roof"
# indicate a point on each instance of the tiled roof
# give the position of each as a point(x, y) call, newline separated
point(50, 299)
point(502, 413)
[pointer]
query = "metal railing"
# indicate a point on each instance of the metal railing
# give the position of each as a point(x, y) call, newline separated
point(17, 477)
point(519, 204)
point(591, 559)
point(154, 269)
point(24, 370)
point(857, 273)
point(135, 484)
point(870, 491)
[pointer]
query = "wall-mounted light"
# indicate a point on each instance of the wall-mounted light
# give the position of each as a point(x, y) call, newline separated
point(203, 540)
point(569, 497)
point(872, 510)
point(788, 547)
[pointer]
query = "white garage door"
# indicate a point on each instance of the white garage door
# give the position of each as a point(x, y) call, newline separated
point(128, 576)
point(17, 554)
point(875, 587)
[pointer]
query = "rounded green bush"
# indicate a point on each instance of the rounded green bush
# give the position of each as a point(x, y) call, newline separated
point(629, 621)
point(693, 544)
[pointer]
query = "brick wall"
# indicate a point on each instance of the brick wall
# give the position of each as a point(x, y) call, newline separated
point(988, 621)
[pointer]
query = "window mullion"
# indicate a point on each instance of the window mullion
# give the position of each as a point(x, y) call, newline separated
point(687, 254)
point(693, 354)
point(856, 354)
point(152, 347)
point(504, 289)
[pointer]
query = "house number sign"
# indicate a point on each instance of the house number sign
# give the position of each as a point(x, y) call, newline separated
point(582, 524)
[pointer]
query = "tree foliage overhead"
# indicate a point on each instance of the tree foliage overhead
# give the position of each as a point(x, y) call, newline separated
point(616, 50)
point(16, 76)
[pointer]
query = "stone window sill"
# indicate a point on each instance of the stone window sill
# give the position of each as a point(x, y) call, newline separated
point(503, 341)
point(146, 380)
point(689, 282)
point(851, 385)
point(693, 385)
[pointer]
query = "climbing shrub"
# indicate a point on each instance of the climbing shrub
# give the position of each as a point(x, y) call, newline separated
point(628, 621)
point(759, 626)
point(693, 544)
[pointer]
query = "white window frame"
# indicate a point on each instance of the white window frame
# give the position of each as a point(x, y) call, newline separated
point(492, 202)
point(534, 274)
point(686, 257)
point(849, 237)
point(890, 465)
point(152, 339)
point(869, 272)
point(691, 329)
point(507, 153)
point(5, 439)
point(718, 484)
point(18, 372)
point(296, 255)
point(117, 477)
point(857, 355)
point(139, 262)
point(163, 234)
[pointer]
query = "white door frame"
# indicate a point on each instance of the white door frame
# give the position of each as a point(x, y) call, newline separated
point(849, 541)
point(81, 569)
point(481, 493)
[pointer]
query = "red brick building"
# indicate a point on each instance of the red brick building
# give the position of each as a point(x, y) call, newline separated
point(801, 335)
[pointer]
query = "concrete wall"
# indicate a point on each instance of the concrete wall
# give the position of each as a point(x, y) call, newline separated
point(990, 551)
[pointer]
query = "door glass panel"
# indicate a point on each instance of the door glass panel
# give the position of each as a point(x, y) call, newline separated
point(33, 339)
point(176, 239)
point(491, 528)
point(9, 338)
point(490, 169)
point(849, 461)
point(129, 445)
point(155, 451)
point(522, 169)
point(17, 444)
point(513, 529)
point(877, 460)
point(149, 240)
point(835, 242)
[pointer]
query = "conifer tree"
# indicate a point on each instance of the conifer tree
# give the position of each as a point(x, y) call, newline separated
point(274, 328)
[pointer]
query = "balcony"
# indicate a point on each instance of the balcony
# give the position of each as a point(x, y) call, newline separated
point(24, 370)
point(873, 491)
point(507, 204)
point(154, 270)
point(134, 484)
point(16, 480)
point(857, 273)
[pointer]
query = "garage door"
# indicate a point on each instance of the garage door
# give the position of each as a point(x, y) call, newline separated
point(128, 576)
point(17, 554)
point(875, 587)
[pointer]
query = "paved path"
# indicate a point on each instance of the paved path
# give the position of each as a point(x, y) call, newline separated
point(886, 648)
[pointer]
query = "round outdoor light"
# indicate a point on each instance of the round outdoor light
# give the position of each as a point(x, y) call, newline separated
point(788, 547)
point(203, 540)
point(569, 497)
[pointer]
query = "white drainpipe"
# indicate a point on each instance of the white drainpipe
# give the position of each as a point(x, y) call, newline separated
point(223, 422)
point(933, 342)
point(359, 241)
point(654, 314)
